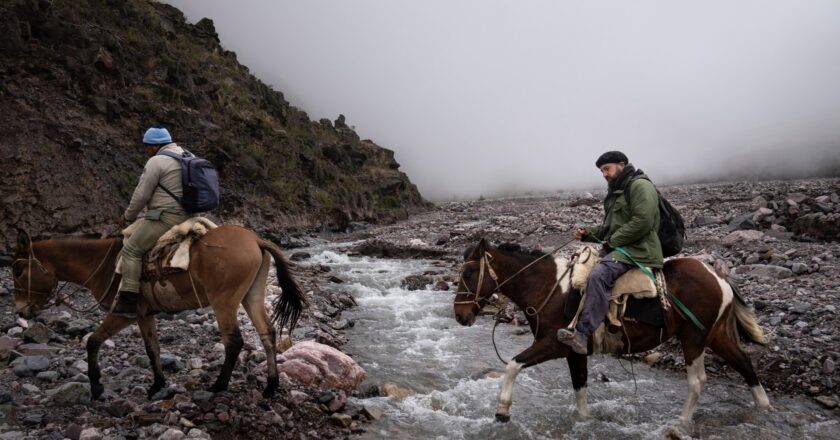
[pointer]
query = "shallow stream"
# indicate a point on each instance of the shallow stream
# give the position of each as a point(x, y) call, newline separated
point(411, 339)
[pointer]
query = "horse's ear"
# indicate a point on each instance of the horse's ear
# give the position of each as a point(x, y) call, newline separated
point(475, 252)
point(23, 241)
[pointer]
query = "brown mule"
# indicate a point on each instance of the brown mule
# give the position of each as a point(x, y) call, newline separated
point(543, 285)
point(228, 266)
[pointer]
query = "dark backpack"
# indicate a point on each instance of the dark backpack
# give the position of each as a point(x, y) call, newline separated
point(671, 225)
point(199, 180)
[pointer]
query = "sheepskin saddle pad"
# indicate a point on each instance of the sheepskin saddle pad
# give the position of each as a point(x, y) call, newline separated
point(634, 288)
point(172, 252)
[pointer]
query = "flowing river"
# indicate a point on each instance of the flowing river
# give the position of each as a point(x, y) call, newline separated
point(411, 339)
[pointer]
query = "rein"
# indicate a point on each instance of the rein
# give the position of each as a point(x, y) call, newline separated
point(530, 311)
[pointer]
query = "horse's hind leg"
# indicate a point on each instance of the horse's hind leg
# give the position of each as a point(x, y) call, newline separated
point(254, 304)
point(737, 359)
point(110, 326)
point(232, 340)
point(148, 329)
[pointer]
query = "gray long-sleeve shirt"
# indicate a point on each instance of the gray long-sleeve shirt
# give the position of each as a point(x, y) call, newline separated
point(159, 169)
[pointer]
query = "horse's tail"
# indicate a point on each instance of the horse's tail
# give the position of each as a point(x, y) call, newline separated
point(291, 302)
point(744, 318)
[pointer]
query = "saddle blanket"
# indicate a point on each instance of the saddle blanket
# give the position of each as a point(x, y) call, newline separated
point(634, 297)
point(171, 253)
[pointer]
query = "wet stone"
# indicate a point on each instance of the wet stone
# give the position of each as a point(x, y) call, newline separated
point(79, 327)
point(38, 333)
point(826, 401)
point(90, 434)
point(29, 365)
point(828, 366)
point(70, 393)
point(48, 376)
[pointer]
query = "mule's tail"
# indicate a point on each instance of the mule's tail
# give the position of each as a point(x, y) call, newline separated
point(291, 302)
point(745, 322)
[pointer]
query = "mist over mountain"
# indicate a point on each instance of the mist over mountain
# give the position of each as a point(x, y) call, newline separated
point(479, 97)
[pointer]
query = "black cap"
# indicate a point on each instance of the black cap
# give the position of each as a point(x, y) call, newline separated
point(611, 157)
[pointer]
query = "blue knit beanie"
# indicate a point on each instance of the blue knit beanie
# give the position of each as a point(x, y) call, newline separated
point(157, 135)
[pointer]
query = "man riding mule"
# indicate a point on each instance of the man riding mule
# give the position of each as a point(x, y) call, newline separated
point(156, 191)
point(228, 267)
point(630, 223)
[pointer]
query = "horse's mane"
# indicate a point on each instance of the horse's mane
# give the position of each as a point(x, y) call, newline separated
point(518, 248)
point(81, 238)
point(511, 247)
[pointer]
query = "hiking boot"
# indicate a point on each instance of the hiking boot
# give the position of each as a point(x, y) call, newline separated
point(574, 339)
point(126, 305)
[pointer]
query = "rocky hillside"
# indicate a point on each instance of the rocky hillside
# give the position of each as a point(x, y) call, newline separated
point(82, 80)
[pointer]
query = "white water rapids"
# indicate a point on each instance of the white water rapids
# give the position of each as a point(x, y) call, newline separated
point(411, 339)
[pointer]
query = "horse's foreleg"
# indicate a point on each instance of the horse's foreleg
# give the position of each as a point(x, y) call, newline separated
point(232, 340)
point(542, 350)
point(110, 326)
point(696, 369)
point(579, 370)
point(148, 329)
point(506, 392)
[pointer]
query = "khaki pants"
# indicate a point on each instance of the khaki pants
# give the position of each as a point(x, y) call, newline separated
point(141, 241)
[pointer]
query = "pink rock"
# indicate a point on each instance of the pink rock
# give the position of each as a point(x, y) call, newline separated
point(321, 366)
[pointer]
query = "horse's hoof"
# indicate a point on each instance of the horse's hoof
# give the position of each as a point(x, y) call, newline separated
point(96, 390)
point(269, 391)
point(503, 418)
point(216, 388)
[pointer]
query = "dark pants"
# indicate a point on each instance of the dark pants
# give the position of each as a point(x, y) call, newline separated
point(598, 291)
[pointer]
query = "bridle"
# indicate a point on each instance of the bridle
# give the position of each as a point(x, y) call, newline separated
point(484, 267)
point(484, 262)
point(57, 298)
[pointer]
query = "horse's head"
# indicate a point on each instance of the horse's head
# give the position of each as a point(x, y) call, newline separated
point(477, 283)
point(34, 281)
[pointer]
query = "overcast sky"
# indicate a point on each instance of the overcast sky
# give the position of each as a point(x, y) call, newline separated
point(488, 97)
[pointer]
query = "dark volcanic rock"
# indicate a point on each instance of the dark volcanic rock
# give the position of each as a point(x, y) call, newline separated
point(81, 83)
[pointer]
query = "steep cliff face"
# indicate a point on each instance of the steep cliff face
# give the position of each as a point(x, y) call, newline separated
point(82, 80)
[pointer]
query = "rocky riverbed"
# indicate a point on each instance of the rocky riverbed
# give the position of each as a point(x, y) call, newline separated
point(44, 391)
point(779, 238)
point(787, 269)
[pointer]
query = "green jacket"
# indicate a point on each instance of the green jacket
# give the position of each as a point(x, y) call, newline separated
point(633, 227)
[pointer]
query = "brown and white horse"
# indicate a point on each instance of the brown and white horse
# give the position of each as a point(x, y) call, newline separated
point(544, 286)
point(228, 267)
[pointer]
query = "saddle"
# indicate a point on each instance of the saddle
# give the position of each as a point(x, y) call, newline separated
point(171, 253)
point(635, 296)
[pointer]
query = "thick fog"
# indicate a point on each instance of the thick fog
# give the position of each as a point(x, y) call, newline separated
point(483, 97)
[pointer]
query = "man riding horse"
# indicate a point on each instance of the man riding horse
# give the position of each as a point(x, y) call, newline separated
point(629, 222)
point(163, 211)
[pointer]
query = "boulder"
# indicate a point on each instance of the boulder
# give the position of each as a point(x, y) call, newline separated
point(90, 434)
point(26, 366)
point(416, 282)
point(392, 390)
point(742, 236)
point(79, 327)
point(742, 222)
point(764, 271)
point(38, 333)
point(7, 345)
point(71, 393)
point(705, 220)
point(321, 366)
